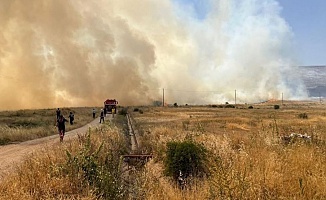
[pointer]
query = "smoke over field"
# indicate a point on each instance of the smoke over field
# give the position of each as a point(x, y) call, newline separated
point(78, 53)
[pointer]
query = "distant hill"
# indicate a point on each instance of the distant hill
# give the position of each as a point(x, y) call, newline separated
point(314, 77)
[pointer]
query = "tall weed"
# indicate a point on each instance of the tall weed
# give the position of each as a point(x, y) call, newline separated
point(88, 168)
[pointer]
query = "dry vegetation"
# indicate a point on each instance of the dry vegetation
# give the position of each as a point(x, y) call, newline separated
point(77, 169)
point(22, 125)
point(248, 160)
point(247, 157)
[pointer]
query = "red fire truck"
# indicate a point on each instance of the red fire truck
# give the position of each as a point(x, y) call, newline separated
point(111, 105)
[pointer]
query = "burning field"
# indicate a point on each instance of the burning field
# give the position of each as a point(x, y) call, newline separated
point(260, 151)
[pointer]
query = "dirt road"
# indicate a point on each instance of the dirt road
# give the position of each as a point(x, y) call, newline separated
point(10, 155)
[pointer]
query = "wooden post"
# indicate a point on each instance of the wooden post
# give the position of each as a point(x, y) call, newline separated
point(163, 97)
point(235, 98)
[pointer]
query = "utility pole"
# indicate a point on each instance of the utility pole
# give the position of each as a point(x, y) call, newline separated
point(282, 98)
point(235, 97)
point(163, 97)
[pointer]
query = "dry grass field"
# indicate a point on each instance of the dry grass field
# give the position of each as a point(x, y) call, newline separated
point(249, 156)
point(23, 125)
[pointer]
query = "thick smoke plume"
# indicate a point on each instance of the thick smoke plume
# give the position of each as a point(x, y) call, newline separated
point(56, 53)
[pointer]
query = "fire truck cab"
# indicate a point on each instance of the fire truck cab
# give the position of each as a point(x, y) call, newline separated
point(111, 106)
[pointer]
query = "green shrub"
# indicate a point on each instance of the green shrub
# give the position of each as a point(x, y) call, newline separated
point(157, 103)
point(138, 110)
point(97, 167)
point(4, 141)
point(250, 107)
point(123, 111)
point(276, 107)
point(229, 106)
point(303, 116)
point(187, 157)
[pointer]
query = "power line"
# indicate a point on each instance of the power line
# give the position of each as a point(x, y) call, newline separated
point(193, 91)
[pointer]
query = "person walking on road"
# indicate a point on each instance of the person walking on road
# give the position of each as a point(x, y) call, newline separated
point(71, 118)
point(93, 113)
point(58, 111)
point(102, 116)
point(61, 127)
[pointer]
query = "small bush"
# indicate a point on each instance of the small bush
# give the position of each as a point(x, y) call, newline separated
point(214, 106)
point(229, 106)
point(185, 157)
point(303, 116)
point(4, 141)
point(276, 107)
point(97, 166)
point(175, 105)
point(157, 103)
point(250, 107)
point(138, 110)
point(123, 111)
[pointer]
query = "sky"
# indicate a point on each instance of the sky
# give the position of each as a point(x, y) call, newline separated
point(59, 53)
point(307, 20)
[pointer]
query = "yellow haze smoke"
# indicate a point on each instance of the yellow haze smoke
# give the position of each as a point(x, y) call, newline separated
point(57, 53)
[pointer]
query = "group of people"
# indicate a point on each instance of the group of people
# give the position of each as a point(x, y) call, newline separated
point(61, 120)
point(102, 114)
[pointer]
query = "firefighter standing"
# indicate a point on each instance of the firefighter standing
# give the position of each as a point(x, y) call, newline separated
point(93, 113)
point(113, 112)
point(102, 116)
